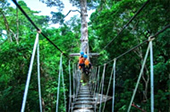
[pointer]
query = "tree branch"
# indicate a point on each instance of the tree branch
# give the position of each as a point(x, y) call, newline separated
point(71, 11)
point(15, 35)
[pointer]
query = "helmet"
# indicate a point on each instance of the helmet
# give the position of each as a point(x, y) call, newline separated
point(85, 56)
point(81, 53)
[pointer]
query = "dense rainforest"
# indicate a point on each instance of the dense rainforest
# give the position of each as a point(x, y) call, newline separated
point(106, 22)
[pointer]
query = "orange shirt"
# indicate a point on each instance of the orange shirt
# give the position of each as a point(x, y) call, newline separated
point(81, 60)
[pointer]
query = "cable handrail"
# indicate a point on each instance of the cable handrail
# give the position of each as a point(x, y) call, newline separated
point(127, 24)
point(133, 48)
point(30, 20)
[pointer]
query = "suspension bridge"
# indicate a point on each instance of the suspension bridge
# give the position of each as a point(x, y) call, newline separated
point(90, 97)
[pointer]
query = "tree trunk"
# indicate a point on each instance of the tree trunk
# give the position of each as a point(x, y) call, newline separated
point(7, 26)
point(84, 26)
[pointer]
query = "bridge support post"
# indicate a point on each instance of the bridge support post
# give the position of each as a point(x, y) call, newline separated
point(39, 81)
point(114, 77)
point(151, 75)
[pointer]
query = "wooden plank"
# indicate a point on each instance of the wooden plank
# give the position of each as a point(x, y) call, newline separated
point(78, 54)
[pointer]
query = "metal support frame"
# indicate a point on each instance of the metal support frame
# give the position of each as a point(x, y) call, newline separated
point(63, 84)
point(97, 87)
point(95, 82)
point(38, 76)
point(103, 76)
point(73, 86)
point(140, 75)
point(151, 75)
point(58, 88)
point(114, 77)
point(29, 74)
point(70, 92)
point(89, 55)
point(73, 82)
point(77, 72)
point(108, 88)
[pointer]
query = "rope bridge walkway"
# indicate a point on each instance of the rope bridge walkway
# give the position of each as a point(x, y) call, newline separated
point(86, 97)
point(84, 100)
point(89, 97)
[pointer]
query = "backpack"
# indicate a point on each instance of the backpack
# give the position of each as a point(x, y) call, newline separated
point(86, 62)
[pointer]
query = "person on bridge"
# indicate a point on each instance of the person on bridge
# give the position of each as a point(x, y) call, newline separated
point(81, 60)
point(87, 65)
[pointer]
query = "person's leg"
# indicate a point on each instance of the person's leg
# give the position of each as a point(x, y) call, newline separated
point(89, 66)
point(84, 69)
point(84, 77)
point(81, 65)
